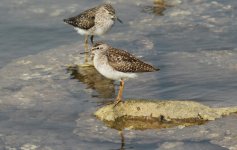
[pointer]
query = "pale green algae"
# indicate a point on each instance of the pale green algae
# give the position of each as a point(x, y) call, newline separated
point(147, 114)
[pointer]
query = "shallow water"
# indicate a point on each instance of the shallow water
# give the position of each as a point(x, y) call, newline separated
point(41, 107)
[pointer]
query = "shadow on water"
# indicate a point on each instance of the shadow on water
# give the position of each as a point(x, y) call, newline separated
point(93, 79)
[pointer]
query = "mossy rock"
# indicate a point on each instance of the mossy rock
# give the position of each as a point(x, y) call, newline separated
point(147, 114)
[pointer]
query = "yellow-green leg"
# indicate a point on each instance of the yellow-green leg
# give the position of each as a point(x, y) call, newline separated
point(120, 93)
point(86, 48)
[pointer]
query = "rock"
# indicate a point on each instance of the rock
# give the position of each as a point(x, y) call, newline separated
point(147, 114)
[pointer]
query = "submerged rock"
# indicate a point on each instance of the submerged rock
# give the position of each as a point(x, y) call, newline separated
point(147, 114)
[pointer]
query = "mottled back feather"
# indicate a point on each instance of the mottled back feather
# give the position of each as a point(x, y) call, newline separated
point(122, 61)
point(85, 20)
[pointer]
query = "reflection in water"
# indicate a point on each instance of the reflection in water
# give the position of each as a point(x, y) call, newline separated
point(143, 123)
point(93, 79)
point(158, 7)
point(122, 140)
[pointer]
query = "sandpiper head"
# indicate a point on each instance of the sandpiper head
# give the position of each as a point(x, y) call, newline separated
point(99, 47)
point(109, 8)
point(109, 11)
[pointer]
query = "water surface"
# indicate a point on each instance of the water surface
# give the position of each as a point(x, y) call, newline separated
point(41, 107)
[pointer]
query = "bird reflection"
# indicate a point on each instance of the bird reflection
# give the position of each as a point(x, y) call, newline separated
point(158, 7)
point(122, 147)
point(93, 79)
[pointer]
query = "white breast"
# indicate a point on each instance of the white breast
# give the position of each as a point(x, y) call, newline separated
point(103, 27)
point(101, 64)
point(81, 31)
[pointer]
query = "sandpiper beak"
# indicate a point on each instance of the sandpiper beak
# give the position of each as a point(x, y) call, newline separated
point(119, 20)
point(115, 17)
point(84, 53)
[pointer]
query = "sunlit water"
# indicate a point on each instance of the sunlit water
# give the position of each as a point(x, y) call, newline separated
point(41, 107)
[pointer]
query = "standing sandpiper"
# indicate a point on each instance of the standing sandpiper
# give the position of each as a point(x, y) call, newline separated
point(117, 64)
point(94, 21)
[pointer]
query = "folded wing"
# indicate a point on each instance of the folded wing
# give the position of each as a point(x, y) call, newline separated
point(122, 61)
point(85, 20)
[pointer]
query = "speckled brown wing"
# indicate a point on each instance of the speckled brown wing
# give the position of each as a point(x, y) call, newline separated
point(123, 61)
point(85, 20)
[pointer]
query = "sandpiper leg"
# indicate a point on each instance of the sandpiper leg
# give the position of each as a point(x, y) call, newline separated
point(120, 93)
point(92, 42)
point(86, 48)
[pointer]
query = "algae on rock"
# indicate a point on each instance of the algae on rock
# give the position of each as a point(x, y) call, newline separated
point(147, 114)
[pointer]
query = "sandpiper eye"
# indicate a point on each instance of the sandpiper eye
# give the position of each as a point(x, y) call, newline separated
point(97, 48)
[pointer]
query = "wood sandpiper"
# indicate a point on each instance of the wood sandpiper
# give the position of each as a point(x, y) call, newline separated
point(95, 21)
point(117, 64)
